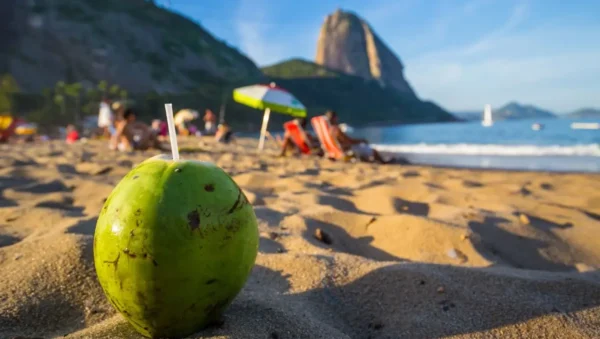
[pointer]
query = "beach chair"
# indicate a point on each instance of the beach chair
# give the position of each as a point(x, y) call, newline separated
point(8, 124)
point(298, 136)
point(330, 145)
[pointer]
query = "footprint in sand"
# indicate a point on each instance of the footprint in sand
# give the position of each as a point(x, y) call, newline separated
point(7, 240)
point(44, 188)
point(472, 184)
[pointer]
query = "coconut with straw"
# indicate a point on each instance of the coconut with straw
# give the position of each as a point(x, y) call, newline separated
point(174, 243)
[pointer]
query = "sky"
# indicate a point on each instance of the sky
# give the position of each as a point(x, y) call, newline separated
point(461, 54)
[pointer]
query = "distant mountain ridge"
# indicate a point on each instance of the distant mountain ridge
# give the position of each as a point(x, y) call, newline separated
point(511, 111)
point(584, 113)
point(359, 101)
point(514, 110)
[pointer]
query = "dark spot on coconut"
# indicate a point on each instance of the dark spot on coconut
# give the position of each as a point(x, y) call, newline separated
point(129, 254)
point(137, 223)
point(177, 170)
point(145, 255)
point(154, 262)
point(135, 177)
point(236, 203)
point(211, 281)
point(193, 219)
point(209, 188)
point(131, 234)
point(114, 262)
point(138, 212)
point(116, 304)
point(233, 226)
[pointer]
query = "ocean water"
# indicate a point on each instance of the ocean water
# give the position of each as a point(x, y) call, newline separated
point(510, 145)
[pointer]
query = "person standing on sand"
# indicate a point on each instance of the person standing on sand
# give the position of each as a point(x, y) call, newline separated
point(106, 118)
point(360, 147)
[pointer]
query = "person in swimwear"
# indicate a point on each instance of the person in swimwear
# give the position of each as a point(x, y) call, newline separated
point(131, 134)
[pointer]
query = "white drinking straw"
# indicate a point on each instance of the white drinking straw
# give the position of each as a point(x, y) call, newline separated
point(172, 133)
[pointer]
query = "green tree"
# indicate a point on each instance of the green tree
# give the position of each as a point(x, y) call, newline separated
point(59, 97)
point(103, 86)
point(8, 88)
point(123, 94)
point(114, 90)
point(73, 91)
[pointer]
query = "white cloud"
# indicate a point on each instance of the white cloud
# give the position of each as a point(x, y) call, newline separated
point(553, 66)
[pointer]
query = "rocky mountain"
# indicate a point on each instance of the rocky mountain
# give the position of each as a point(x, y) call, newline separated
point(359, 101)
point(65, 54)
point(515, 110)
point(584, 113)
point(510, 111)
point(468, 115)
point(348, 44)
point(134, 43)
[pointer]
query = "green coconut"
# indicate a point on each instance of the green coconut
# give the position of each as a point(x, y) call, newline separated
point(174, 244)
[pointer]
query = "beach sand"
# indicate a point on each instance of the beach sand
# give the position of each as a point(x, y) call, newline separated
point(346, 250)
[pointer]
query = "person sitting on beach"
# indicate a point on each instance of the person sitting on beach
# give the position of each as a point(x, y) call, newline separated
point(209, 122)
point(183, 120)
point(133, 135)
point(160, 129)
point(72, 134)
point(224, 133)
point(360, 147)
point(309, 144)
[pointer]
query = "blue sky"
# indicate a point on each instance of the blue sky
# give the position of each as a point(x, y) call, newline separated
point(460, 54)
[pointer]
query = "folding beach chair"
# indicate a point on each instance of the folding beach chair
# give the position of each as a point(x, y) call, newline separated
point(298, 135)
point(330, 145)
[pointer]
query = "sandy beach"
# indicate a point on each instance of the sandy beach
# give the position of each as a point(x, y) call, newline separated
point(346, 250)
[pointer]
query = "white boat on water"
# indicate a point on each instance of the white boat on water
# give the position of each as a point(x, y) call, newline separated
point(585, 125)
point(487, 116)
point(537, 126)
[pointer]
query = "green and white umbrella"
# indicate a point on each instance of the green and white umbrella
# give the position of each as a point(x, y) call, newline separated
point(269, 98)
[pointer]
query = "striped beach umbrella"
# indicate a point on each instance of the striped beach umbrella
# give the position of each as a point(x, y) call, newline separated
point(269, 98)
